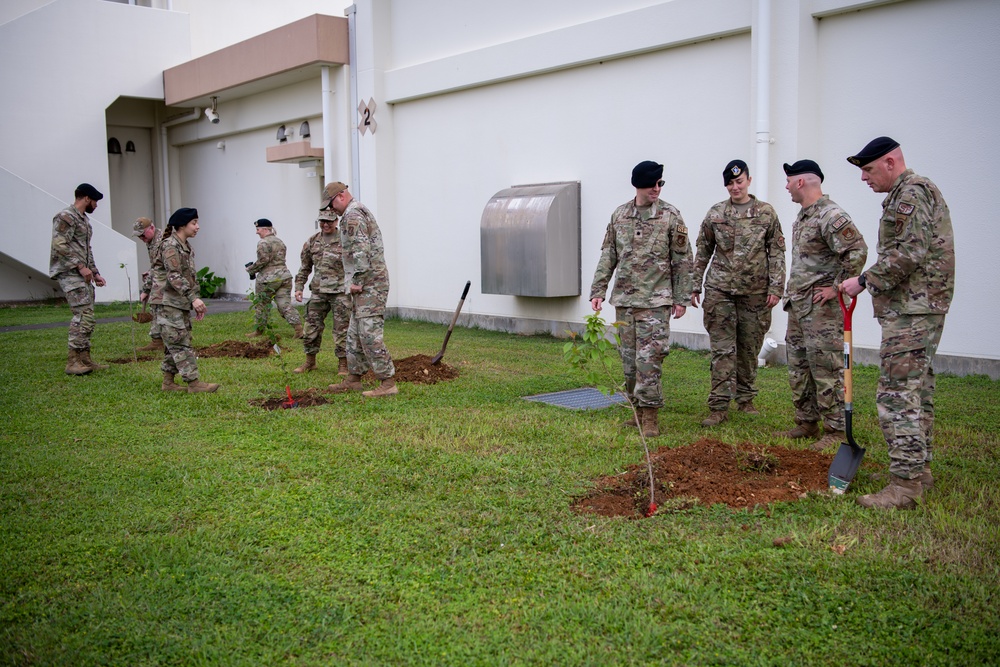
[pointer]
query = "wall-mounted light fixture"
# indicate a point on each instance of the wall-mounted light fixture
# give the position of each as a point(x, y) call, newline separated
point(114, 147)
point(282, 136)
point(130, 147)
point(221, 145)
point(304, 129)
point(213, 113)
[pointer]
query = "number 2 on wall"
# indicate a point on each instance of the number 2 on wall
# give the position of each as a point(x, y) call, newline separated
point(367, 112)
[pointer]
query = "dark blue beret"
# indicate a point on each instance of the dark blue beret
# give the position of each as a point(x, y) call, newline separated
point(182, 216)
point(733, 170)
point(88, 190)
point(263, 222)
point(875, 149)
point(646, 174)
point(803, 167)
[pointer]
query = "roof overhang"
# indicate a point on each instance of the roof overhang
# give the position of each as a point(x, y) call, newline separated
point(283, 56)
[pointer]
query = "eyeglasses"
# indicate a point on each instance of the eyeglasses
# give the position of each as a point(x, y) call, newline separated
point(660, 183)
point(327, 222)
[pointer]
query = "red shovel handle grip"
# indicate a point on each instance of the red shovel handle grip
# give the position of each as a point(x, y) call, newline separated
point(848, 312)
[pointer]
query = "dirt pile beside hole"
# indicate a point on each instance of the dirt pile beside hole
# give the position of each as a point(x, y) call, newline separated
point(306, 398)
point(418, 370)
point(238, 349)
point(708, 472)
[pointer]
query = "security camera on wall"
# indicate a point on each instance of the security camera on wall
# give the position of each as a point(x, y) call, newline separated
point(213, 113)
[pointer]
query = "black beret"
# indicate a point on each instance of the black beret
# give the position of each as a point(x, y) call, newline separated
point(646, 174)
point(88, 190)
point(182, 216)
point(875, 149)
point(803, 167)
point(733, 170)
point(263, 222)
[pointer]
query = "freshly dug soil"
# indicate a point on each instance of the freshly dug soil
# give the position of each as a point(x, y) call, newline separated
point(236, 348)
point(418, 370)
point(708, 472)
point(307, 398)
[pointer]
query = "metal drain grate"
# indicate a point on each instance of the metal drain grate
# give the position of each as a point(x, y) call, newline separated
point(587, 398)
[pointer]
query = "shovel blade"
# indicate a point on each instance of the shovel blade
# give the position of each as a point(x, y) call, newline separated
point(844, 467)
point(437, 360)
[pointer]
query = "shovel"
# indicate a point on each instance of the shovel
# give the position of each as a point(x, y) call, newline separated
point(436, 360)
point(845, 463)
point(143, 317)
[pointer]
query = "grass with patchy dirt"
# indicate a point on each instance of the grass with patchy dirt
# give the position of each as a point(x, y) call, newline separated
point(437, 527)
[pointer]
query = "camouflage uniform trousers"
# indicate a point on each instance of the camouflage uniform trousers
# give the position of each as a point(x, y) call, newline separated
point(281, 292)
point(736, 326)
point(645, 343)
point(814, 343)
point(905, 396)
point(80, 296)
point(317, 308)
point(366, 348)
point(178, 354)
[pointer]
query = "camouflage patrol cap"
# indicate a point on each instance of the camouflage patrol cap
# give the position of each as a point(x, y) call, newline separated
point(330, 191)
point(139, 228)
point(327, 216)
point(875, 149)
point(646, 174)
point(803, 167)
point(734, 169)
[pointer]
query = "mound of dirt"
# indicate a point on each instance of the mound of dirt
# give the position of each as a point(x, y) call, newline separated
point(237, 348)
point(708, 472)
point(307, 398)
point(418, 370)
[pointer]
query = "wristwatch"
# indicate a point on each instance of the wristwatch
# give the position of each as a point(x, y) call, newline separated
point(863, 281)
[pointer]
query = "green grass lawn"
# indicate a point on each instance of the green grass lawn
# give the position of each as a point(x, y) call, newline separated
point(434, 528)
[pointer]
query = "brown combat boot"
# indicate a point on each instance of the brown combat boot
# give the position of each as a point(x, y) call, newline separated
point(387, 388)
point(169, 384)
point(197, 386)
point(900, 494)
point(154, 344)
point(298, 331)
point(803, 430)
point(650, 422)
point(309, 365)
point(716, 418)
point(633, 420)
point(341, 365)
point(349, 383)
point(84, 357)
point(74, 366)
point(926, 478)
point(829, 438)
point(747, 408)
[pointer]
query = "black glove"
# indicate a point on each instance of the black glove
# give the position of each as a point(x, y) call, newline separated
point(253, 276)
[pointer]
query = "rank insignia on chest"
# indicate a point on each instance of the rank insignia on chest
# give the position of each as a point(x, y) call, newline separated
point(904, 208)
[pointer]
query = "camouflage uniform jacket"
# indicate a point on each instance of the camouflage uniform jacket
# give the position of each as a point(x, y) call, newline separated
point(175, 282)
point(364, 260)
point(71, 234)
point(651, 258)
point(324, 260)
point(747, 251)
point(826, 249)
point(915, 270)
point(153, 248)
point(270, 264)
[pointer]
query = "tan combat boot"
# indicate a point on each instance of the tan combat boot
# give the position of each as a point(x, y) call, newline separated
point(829, 438)
point(900, 494)
point(298, 330)
point(633, 421)
point(387, 388)
point(154, 344)
point(715, 418)
point(349, 383)
point(309, 365)
point(926, 478)
point(747, 408)
point(804, 430)
point(650, 422)
point(84, 357)
point(169, 384)
point(341, 365)
point(74, 366)
point(197, 386)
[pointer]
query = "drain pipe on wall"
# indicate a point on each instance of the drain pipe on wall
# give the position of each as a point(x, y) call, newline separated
point(352, 45)
point(327, 126)
point(763, 29)
point(165, 162)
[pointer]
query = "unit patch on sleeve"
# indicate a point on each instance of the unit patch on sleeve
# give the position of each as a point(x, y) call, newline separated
point(904, 208)
point(848, 234)
point(840, 222)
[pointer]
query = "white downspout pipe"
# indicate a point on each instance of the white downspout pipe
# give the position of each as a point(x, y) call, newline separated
point(165, 162)
point(763, 157)
point(352, 45)
point(328, 156)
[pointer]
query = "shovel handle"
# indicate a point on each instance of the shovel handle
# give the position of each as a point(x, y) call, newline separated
point(848, 352)
point(847, 311)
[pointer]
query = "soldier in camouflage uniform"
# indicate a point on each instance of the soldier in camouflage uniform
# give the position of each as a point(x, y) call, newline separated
point(321, 255)
point(742, 238)
point(71, 262)
point(366, 279)
point(174, 295)
point(646, 246)
point(912, 284)
point(273, 281)
point(144, 229)
point(826, 249)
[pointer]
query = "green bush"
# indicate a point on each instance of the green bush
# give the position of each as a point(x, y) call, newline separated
point(208, 283)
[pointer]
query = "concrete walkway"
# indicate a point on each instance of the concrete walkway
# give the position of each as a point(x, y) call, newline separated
point(215, 306)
